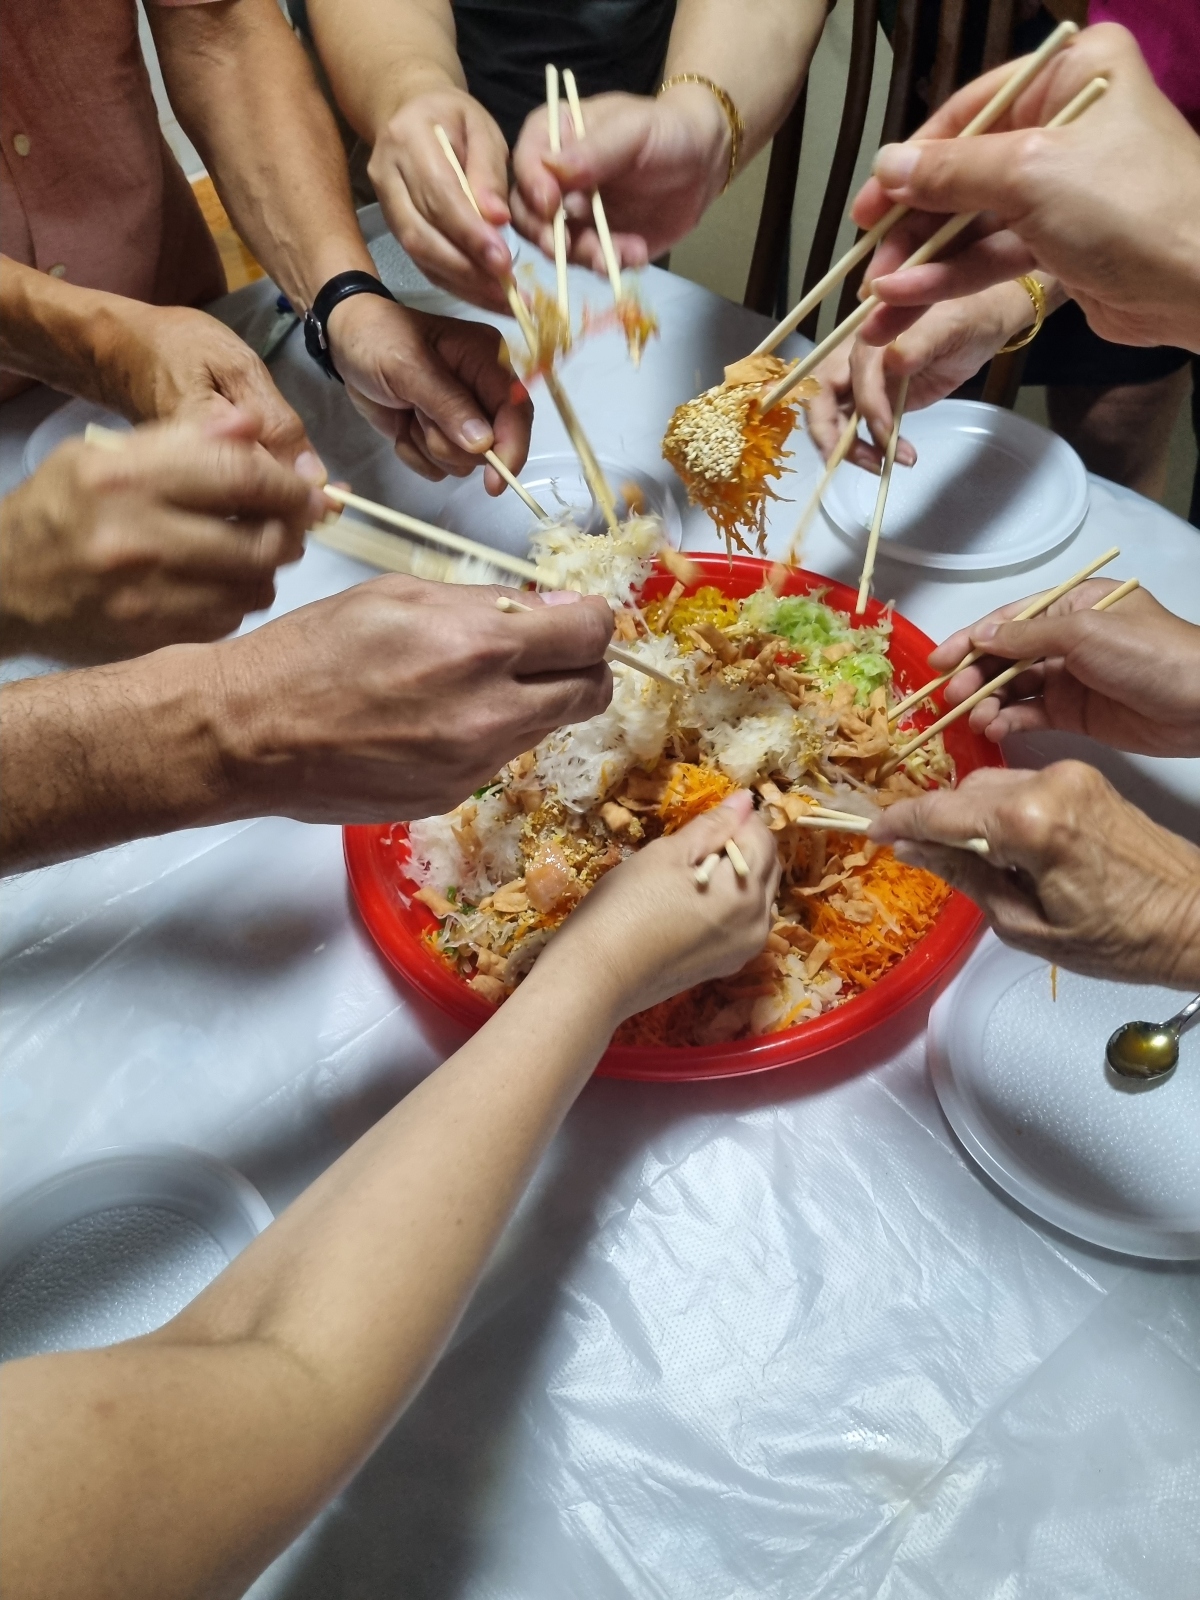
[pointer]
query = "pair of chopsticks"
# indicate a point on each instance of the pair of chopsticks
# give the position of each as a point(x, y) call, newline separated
point(596, 480)
point(991, 687)
point(827, 820)
point(624, 658)
point(702, 873)
point(599, 216)
point(365, 544)
point(926, 252)
point(1034, 609)
point(980, 123)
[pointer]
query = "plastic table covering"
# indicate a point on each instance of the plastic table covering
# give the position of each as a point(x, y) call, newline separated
point(770, 1338)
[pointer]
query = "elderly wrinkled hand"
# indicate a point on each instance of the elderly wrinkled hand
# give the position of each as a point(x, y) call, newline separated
point(1110, 204)
point(1129, 677)
point(174, 537)
point(1076, 873)
point(648, 930)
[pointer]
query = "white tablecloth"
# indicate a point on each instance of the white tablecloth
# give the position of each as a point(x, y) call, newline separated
point(772, 1338)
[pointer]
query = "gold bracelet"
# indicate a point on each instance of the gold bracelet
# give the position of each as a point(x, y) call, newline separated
point(1038, 295)
point(737, 127)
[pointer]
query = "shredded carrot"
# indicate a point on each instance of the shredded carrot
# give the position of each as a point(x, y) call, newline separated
point(690, 791)
point(910, 898)
point(1053, 982)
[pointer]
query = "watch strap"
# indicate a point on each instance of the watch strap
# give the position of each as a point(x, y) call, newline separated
point(330, 294)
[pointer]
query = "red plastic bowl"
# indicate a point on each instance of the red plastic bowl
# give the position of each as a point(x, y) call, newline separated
point(377, 858)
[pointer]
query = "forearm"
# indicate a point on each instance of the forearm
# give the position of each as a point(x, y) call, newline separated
point(244, 93)
point(378, 54)
point(210, 1444)
point(93, 758)
point(64, 336)
point(759, 55)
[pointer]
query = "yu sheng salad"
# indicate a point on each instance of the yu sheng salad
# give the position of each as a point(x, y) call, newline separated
point(781, 695)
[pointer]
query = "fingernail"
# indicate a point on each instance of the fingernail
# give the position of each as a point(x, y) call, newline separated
point(476, 435)
point(895, 164)
point(311, 468)
point(561, 597)
point(985, 631)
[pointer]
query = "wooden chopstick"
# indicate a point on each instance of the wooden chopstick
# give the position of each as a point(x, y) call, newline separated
point(515, 484)
point(836, 456)
point(560, 216)
point(1035, 609)
point(885, 479)
point(426, 530)
point(979, 846)
point(741, 868)
point(599, 216)
point(506, 602)
point(587, 456)
point(926, 252)
point(980, 123)
point(991, 687)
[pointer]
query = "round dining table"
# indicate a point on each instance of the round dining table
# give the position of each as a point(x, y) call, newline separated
point(772, 1337)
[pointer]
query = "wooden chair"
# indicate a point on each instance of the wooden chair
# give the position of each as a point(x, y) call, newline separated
point(963, 38)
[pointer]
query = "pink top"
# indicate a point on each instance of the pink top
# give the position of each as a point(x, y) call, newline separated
point(1168, 32)
point(89, 189)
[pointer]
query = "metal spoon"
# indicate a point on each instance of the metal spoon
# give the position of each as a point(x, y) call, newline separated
point(1149, 1049)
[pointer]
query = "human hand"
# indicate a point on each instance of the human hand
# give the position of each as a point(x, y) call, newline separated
point(1129, 677)
point(435, 386)
point(657, 162)
point(1076, 874)
point(174, 537)
point(398, 698)
point(425, 207)
point(1110, 204)
point(648, 931)
point(947, 344)
point(170, 363)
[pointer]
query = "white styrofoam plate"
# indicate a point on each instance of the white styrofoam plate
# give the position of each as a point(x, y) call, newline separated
point(113, 1247)
point(990, 490)
point(66, 423)
point(1022, 1079)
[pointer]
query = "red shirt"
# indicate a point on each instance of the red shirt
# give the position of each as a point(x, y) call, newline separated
point(1168, 33)
point(89, 189)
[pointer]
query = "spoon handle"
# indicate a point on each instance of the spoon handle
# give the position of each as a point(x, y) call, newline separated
point(1186, 1017)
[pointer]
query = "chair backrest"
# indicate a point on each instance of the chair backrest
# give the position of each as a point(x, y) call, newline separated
point(936, 46)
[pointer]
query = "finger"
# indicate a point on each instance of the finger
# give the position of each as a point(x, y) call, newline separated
point(186, 545)
point(998, 258)
point(711, 830)
point(995, 173)
point(610, 150)
point(440, 200)
point(536, 185)
point(442, 452)
point(543, 704)
point(1011, 910)
point(220, 476)
point(438, 256)
point(556, 639)
point(487, 168)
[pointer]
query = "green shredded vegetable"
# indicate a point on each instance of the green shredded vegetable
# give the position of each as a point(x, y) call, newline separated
point(811, 626)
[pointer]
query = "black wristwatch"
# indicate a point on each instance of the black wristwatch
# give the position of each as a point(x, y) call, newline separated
point(316, 323)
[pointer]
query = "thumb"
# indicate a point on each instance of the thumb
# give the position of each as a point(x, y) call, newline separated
point(990, 173)
point(608, 152)
point(1042, 637)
